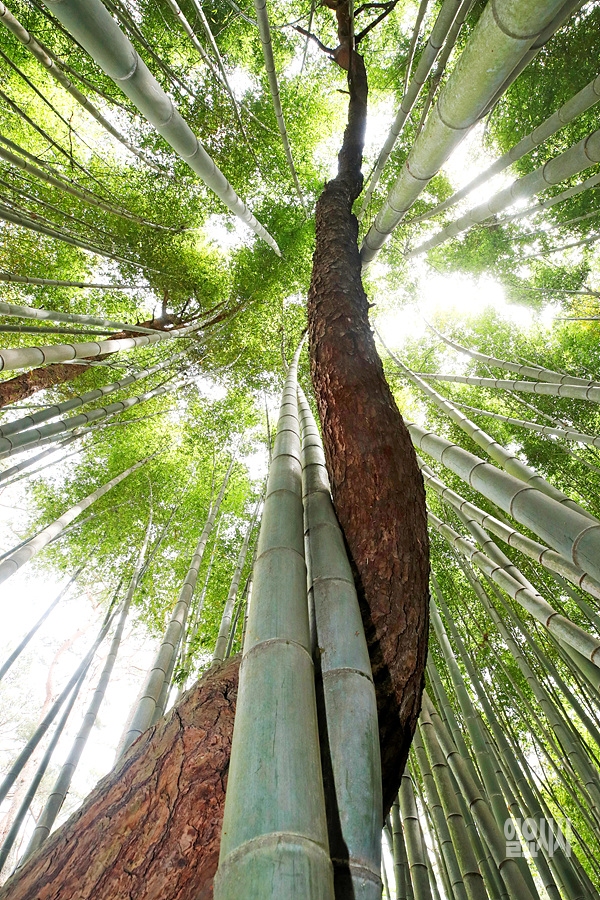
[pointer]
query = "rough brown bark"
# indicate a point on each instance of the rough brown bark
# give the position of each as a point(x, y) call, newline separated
point(151, 829)
point(376, 485)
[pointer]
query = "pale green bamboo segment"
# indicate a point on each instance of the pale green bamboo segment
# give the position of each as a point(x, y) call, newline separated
point(448, 13)
point(17, 559)
point(413, 833)
point(571, 162)
point(529, 370)
point(24, 279)
point(20, 32)
point(560, 861)
point(348, 691)
point(14, 471)
point(90, 23)
point(262, 16)
point(63, 782)
point(33, 437)
point(590, 392)
point(49, 412)
point(566, 434)
point(509, 461)
point(274, 840)
point(401, 874)
point(23, 357)
point(490, 833)
point(564, 529)
point(535, 604)
point(152, 689)
point(574, 107)
point(505, 31)
point(589, 183)
point(221, 642)
point(550, 559)
point(472, 878)
point(49, 315)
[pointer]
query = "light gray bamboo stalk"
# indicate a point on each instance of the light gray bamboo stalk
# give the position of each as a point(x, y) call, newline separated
point(27, 39)
point(25, 754)
point(150, 694)
point(528, 370)
point(439, 33)
point(573, 391)
point(559, 862)
point(574, 107)
point(432, 833)
point(10, 565)
point(62, 184)
point(50, 315)
point(494, 838)
point(49, 412)
point(265, 38)
point(93, 27)
point(401, 873)
point(547, 251)
point(508, 460)
point(533, 602)
point(24, 279)
point(552, 560)
point(15, 827)
point(274, 840)
point(62, 784)
point(348, 692)
point(414, 840)
point(471, 876)
point(34, 436)
point(566, 530)
point(566, 434)
point(221, 642)
point(239, 606)
point(13, 472)
point(18, 650)
point(413, 42)
point(571, 162)
point(503, 33)
point(23, 357)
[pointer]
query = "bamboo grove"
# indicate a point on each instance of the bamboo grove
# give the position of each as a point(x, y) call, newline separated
point(159, 170)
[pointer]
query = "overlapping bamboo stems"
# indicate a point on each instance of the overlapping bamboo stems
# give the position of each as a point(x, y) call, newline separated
point(491, 834)
point(524, 786)
point(25, 754)
point(265, 38)
point(23, 357)
point(60, 182)
point(550, 559)
point(414, 38)
point(415, 842)
point(13, 831)
point(62, 784)
point(274, 840)
point(13, 472)
point(57, 282)
point(350, 729)
point(31, 438)
point(577, 437)
point(440, 872)
point(471, 86)
point(49, 412)
point(17, 559)
point(564, 529)
point(563, 628)
point(524, 370)
point(226, 618)
point(569, 748)
point(574, 107)
point(94, 28)
point(449, 11)
point(573, 391)
point(160, 672)
point(27, 40)
point(50, 315)
point(398, 850)
point(481, 746)
point(35, 628)
point(509, 461)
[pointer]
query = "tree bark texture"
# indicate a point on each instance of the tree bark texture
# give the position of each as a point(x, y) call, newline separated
point(377, 489)
point(151, 828)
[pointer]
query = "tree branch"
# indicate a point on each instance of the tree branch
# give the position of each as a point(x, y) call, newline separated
point(388, 7)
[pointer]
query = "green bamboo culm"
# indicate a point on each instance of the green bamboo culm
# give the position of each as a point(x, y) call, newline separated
point(274, 840)
point(349, 734)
